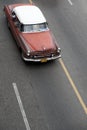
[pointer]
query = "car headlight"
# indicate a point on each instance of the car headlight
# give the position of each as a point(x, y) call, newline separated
point(28, 53)
point(59, 50)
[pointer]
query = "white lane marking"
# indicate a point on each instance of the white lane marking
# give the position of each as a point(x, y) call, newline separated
point(21, 106)
point(70, 2)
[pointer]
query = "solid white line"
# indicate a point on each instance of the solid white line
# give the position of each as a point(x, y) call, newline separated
point(21, 106)
point(70, 2)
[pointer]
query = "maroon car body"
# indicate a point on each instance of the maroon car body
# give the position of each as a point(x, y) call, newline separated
point(31, 32)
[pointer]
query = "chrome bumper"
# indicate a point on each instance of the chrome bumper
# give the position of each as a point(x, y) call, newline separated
point(42, 59)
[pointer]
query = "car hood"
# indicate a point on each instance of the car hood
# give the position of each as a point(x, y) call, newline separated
point(39, 41)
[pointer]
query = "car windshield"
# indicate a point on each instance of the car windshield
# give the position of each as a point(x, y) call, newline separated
point(35, 27)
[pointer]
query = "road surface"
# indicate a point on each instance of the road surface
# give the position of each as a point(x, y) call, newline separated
point(41, 96)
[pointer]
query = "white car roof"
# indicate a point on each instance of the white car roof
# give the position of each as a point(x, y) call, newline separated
point(29, 14)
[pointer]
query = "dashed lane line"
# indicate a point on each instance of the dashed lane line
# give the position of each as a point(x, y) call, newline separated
point(70, 2)
point(21, 106)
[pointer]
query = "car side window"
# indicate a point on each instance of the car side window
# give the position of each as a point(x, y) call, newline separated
point(18, 25)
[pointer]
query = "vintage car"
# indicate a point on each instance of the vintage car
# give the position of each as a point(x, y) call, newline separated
point(31, 32)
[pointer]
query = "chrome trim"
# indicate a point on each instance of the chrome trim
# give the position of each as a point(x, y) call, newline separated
point(25, 44)
point(39, 60)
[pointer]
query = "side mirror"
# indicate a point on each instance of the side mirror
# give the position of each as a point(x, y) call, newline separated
point(13, 17)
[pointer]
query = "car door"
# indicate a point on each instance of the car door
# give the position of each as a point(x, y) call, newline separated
point(16, 30)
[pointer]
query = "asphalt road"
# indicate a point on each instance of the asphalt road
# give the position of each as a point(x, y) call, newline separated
point(47, 96)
